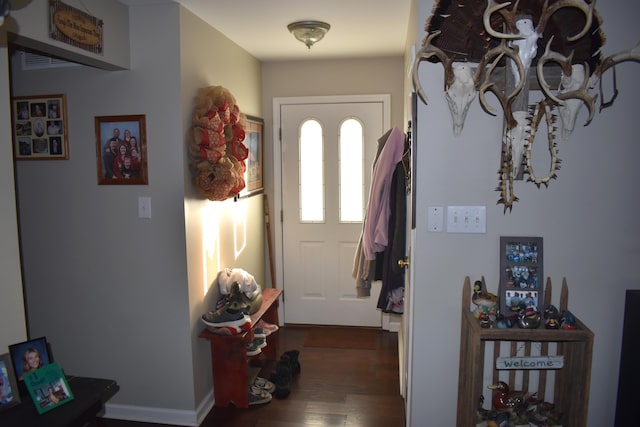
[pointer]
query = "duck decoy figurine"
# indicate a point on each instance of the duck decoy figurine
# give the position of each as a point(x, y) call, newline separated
point(485, 302)
point(505, 399)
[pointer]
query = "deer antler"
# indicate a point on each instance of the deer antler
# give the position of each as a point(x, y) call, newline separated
point(498, 52)
point(565, 63)
point(582, 5)
point(508, 16)
point(428, 50)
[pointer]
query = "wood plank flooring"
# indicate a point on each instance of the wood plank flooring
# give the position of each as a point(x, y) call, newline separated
point(337, 387)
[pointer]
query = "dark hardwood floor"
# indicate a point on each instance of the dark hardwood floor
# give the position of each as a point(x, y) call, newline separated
point(337, 386)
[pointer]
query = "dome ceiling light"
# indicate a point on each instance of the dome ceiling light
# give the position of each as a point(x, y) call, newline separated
point(309, 32)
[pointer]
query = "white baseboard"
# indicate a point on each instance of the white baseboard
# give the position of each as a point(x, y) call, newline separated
point(177, 417)
point(391, 322)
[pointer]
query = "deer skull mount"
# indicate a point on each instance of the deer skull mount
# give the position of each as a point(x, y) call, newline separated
point(463, 36)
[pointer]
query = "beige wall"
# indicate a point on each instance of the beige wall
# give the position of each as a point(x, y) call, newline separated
point(118, 296)
point(587, 218)
point(12, 320)
point(333, 77)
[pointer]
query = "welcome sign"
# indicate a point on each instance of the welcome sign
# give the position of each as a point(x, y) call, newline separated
point(530, 362)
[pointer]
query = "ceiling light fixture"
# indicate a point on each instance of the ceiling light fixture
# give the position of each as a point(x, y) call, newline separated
point(309, 32)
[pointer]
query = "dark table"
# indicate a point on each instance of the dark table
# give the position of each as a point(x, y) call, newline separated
point(89, 397)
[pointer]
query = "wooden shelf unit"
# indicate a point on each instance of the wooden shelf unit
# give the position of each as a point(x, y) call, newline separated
point(571, 384)
point(229, 360)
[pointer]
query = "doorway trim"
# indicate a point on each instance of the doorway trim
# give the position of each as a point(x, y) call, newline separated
point(388, 322)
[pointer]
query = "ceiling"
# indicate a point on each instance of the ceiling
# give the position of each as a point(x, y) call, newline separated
point(359, 28)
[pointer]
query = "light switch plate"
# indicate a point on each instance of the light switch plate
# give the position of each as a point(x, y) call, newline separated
point(466, 219)
point(435, 218)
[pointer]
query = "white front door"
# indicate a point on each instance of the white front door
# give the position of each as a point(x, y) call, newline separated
point(318, 248)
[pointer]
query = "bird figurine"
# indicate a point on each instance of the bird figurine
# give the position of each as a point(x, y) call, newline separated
point(528, 320)
point(504, 322)
point(567, 320)
point(551, 317)
point(485, 302)
point(505, 399)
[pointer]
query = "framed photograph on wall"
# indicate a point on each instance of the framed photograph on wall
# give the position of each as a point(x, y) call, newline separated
point(29, 355)
point(255, 144)
point(9, 393)
point(121, 150)
point(521, 274)
point(40, 127)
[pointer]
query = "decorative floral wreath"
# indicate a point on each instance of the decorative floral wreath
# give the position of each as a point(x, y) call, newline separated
point(216, 146)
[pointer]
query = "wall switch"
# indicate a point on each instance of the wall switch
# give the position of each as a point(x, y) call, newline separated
point(144, 207)
point(466, 219)
point(435, 218)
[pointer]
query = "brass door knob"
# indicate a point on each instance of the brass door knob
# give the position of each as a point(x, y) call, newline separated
point(403, 263)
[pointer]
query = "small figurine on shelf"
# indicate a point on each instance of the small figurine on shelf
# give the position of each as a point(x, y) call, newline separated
point(504, 322)
point(529, 319)
point(485, 302)
point(505, 399)
point(551, 317)
point(567, 320)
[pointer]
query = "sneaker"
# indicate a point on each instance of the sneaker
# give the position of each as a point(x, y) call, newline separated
point(259, 333)
point(264, 384)
point(253, 349)
point(226, 322)
point(260, 342)
point(258, 396)
point(268, 328)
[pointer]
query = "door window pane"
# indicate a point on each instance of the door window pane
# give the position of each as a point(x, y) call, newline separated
point(311, 172)
point(351, 177)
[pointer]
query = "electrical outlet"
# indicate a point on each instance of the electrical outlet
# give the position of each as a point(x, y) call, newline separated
point(466, 219)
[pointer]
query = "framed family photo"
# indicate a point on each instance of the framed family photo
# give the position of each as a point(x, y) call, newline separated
point(255, 145)
point(29, 355)
point(39, 127)
point(121, 150)
point(521, 274)
point(9, 393)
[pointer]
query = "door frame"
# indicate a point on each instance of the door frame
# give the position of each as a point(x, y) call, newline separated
point(276, 223)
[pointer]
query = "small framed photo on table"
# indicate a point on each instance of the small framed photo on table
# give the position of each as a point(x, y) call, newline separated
point(40, 127)
point(521, 274)
point(9, 394)
point(29, 355)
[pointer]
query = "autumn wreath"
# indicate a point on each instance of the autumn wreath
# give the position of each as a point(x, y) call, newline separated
point(216, 148)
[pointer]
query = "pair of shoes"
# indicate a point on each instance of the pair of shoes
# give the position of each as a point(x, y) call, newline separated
point(293, 359)
point(287, 367)
point(281, 377)
point(268, 328)
point(227, 321)
point(264, 384)
point(255, 347)
point(258, 396)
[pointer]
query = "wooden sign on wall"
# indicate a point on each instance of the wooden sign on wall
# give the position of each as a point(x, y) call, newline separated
point(75, 27)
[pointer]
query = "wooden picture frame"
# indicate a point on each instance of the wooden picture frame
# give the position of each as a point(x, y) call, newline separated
point(521, 274)
point(22, 353)
point(254, 141)
point(9, 392)
point(48, 387)
point(39, 127)
point(121, 150)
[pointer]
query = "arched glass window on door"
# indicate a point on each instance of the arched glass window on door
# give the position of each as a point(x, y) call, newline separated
point(311, 172)
point(351, 177)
